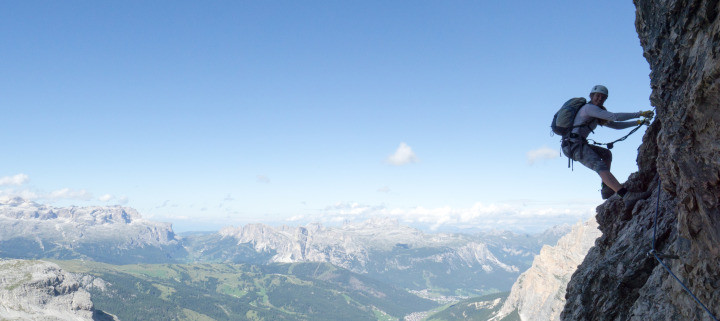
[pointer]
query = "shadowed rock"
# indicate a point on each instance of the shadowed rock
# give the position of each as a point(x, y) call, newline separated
point(618, 280)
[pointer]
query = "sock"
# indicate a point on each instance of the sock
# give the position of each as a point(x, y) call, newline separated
point(622, 192)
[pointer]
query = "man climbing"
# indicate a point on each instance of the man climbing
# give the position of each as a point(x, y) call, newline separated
point(576, 147)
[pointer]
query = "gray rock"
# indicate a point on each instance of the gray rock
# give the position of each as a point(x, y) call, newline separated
point(37, 290)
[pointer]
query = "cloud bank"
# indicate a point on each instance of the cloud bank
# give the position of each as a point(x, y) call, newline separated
point(520, 216)
point(120, 200)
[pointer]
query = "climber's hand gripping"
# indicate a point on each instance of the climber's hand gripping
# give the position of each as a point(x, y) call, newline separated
point(649, 114)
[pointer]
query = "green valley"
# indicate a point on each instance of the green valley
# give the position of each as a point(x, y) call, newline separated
point(299, 291)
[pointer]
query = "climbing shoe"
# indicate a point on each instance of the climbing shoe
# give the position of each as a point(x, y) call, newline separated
point(606, 191)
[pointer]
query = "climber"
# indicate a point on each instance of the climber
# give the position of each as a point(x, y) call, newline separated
point(576, 147)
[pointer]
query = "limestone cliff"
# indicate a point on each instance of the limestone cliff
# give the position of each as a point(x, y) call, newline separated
point(681, 150)
point(539, 293)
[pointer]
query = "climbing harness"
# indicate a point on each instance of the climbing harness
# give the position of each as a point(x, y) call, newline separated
point(610, 145)
point(659, 256)
point(567, 141)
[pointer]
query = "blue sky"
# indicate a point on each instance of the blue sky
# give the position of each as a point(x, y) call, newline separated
point(212, 114)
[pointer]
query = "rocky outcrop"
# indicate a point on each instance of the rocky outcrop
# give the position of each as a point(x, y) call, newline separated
point(37, 290)
point(680, 151)
point(539, 293)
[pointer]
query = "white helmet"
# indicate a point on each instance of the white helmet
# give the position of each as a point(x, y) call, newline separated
point(599, 89)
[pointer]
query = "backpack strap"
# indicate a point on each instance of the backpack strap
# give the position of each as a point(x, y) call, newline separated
point(585, 124)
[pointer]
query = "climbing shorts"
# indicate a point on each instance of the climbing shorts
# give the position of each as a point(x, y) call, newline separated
point(593, 157)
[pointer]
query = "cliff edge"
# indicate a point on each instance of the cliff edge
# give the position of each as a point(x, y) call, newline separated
point(618, 280)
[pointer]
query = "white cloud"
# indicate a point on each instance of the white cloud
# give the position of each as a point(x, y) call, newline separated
point(296, 218)
point(121, 200)
point(28, 195)
point(67, 193)
point(403, 155)
point(18, 179)
point(263, 179)
point(541, 153)
point(384, 189)
point(352, 210)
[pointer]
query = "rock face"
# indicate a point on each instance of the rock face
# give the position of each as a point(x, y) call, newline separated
point(539, 293)
point(36, 290)
point(618, 280)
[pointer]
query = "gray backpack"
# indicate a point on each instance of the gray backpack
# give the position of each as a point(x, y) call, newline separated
point(562, 123)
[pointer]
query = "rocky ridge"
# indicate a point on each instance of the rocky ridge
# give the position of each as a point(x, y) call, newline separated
point(680, 154)
point(539, 293)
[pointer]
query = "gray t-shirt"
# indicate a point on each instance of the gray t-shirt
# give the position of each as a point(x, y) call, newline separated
point(591, 113)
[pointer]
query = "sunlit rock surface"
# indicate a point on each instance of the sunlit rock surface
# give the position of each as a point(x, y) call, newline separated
point(539, 292)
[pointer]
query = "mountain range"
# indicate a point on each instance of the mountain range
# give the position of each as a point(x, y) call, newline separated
point(442, 263)
point(118, 235)
point(383, 269)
